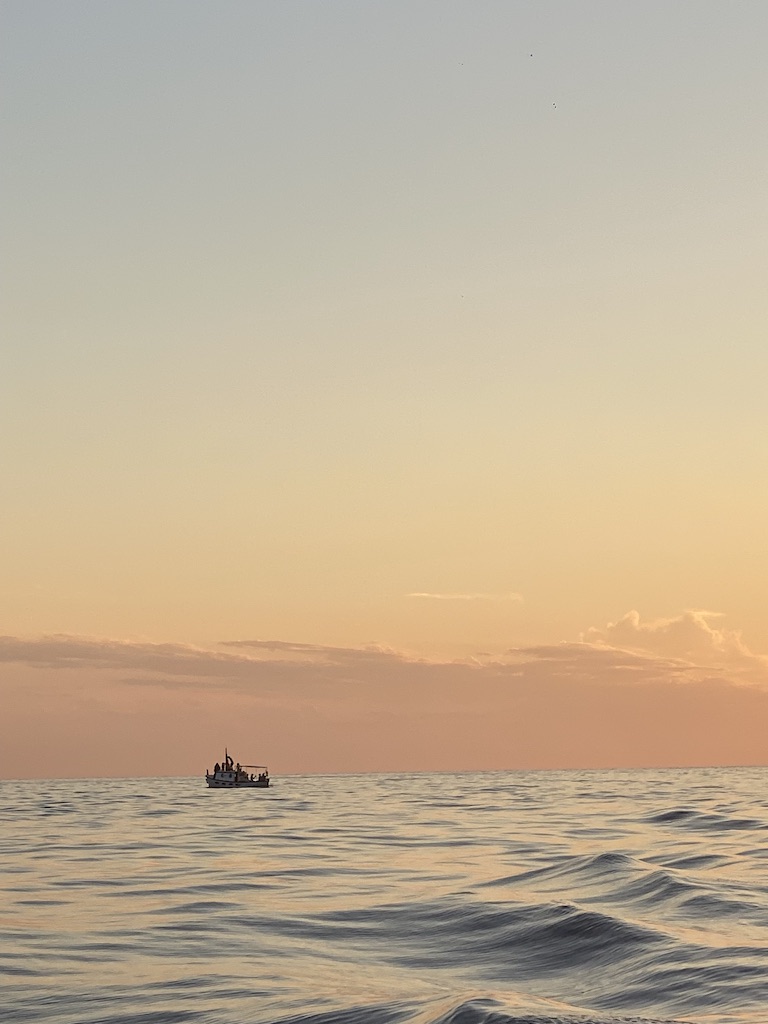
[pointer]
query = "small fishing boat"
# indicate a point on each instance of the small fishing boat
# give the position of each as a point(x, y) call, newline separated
point(229, 775)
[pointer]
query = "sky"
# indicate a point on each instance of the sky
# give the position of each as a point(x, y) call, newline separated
point(382, 385)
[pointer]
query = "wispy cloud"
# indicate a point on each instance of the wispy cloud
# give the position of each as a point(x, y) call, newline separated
point(63, 651)
point(299, 651)
point(246, 662)
point(511, 596)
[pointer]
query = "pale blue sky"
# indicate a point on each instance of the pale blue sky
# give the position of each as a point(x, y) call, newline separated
point(309, 306)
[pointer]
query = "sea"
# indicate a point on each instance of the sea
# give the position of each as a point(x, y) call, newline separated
point(573, 897)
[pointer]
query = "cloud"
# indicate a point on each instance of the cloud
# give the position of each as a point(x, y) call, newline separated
point(244, 662)
point(62, 651)
point(683, 649)
point(625, 696)
point(690, 638)
point(467, 597)
point(690, 648)
point(299, 651)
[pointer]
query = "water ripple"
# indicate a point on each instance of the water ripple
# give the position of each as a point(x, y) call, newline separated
point(498, 898)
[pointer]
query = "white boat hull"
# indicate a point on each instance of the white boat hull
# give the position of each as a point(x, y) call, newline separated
point(214, 782)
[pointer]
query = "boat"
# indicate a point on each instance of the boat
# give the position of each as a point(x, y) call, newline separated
point(229, 775)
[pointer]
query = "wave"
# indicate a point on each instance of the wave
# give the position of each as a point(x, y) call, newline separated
point(477, 1009)
point(711, 821)
point(560, 898)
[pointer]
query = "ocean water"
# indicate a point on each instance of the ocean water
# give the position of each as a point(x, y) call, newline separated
point(491, 898)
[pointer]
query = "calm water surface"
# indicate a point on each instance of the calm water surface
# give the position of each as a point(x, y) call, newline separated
point(496, 898)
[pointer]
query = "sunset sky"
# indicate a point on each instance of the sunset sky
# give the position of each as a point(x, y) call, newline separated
point(383, 385)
